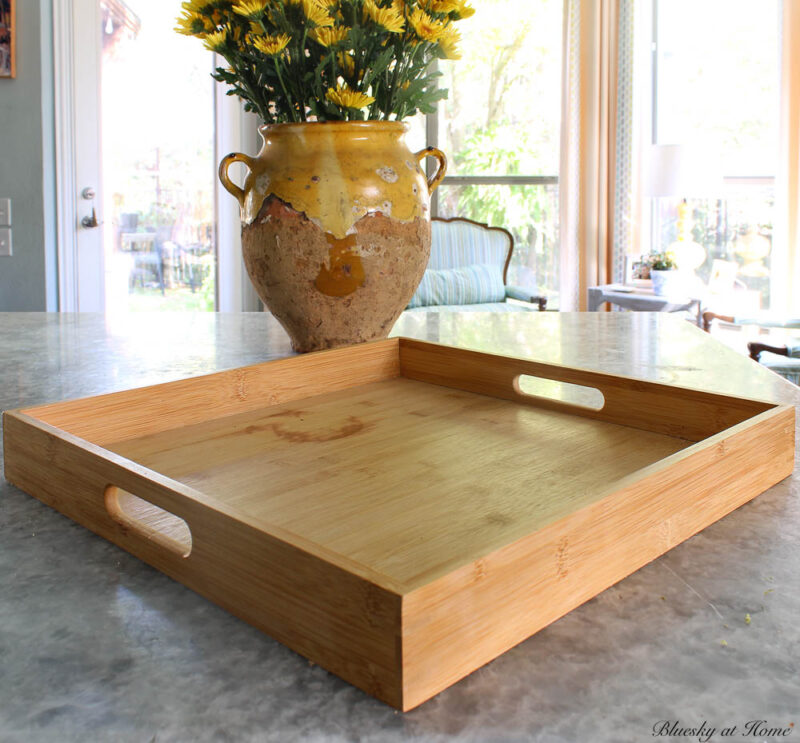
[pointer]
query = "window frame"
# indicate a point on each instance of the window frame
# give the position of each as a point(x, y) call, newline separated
point(432, 140)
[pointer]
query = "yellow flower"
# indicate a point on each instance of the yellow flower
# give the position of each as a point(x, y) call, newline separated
point(443, 6)
point(317, 14)
point(347, 63)
point(330, 36)
point(448, 42)
point(463, 10)
point(195, 6)
point(272, 45)
point(459, 8)
point(253, 9)
point(328, 3)
point(193, 24)
point(344, 97)
point(426, 27)
point(387, 18)
point(216, 41)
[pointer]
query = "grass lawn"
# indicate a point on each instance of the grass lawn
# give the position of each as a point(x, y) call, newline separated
point(178, 299)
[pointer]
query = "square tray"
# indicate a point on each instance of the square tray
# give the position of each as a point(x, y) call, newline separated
point(398, 512)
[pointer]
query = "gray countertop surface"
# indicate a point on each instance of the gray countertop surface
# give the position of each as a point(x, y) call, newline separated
point(97, 646)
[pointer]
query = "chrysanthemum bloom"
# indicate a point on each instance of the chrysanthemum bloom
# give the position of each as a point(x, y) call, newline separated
point(278, 41)
point(272, 45)
point(252, 9)
point(443, 6)
point(387, 18)
point(195, 6)
point(216, 42)
point(347, 63)
point(463, 10)
point(193, 24)
point(427, 28)
point(317, 14)
point(343, 96)
point(448, 42)
point(330, 36)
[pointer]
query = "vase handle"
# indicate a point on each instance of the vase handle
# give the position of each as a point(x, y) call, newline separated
point(436, 178)
point(230, 186)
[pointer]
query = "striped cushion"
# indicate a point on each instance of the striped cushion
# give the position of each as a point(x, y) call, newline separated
point(468, 285)
point(456, 244)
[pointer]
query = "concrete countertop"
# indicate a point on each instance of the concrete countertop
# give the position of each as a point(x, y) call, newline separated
point(97, 646)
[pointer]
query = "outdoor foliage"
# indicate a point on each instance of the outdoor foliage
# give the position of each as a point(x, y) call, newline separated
point(502, 118)
point(329, 60)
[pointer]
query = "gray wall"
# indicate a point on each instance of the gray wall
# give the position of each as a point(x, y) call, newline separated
point(27, 173)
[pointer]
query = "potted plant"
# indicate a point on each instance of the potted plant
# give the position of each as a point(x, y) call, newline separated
point(664, 274)
point(335, 208)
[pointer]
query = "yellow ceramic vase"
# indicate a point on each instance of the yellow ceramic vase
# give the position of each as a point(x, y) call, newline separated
point(335, 227)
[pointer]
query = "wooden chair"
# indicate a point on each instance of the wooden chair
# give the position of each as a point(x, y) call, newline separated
point(781, 357)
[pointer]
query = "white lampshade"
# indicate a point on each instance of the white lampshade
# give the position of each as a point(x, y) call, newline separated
point(682, 170)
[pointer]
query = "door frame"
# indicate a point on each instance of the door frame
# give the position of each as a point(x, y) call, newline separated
point(66, 186)
point(234, 130)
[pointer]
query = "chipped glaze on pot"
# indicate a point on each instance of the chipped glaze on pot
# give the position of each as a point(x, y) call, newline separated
point(335, 227)
point(336, 172)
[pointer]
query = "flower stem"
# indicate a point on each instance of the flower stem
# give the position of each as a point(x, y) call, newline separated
point(285, 91)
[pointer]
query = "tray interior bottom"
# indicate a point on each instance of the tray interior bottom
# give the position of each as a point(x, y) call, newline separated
point(402, 476)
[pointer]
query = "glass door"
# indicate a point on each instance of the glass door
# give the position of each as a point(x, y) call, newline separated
point(156, 112)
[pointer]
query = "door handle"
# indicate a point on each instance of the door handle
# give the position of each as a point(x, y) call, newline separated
point(90, 222)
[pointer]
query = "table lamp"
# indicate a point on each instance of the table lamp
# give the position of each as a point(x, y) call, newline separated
point(684, 171)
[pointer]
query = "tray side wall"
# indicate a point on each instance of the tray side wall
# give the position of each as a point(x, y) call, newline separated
point(124, 415)
point(463, 620)
point(343, 622)
point(676, 411)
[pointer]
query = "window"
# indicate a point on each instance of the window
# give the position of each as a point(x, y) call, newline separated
point(500, 128)
point(716, 80)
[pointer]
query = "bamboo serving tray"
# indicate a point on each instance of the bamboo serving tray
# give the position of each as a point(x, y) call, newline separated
point(399, 512)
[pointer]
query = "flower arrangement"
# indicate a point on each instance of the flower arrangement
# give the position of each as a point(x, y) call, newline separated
point(662, 262)
point(328, 60)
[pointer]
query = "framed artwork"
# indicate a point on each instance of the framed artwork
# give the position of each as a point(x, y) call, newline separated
point(8, 41)
point(637, 269)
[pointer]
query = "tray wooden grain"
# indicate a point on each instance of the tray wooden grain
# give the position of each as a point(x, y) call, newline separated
point(398, 512)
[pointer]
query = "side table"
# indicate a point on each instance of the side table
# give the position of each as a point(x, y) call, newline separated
point(642, 300)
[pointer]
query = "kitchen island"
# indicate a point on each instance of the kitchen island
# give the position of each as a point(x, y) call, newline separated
point(98, 646)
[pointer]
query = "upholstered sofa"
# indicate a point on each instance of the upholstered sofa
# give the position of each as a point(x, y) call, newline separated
point(468, 271)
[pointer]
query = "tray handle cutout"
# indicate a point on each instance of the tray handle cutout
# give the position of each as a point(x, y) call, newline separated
point(149, 520)
point(563, 393)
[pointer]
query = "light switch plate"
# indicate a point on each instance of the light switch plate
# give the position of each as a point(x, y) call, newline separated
point(5, 212)
point(5, 241)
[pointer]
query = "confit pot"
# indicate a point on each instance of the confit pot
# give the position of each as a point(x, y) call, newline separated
point(335, 227)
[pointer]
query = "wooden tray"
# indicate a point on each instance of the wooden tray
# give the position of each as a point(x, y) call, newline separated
point(398, 512)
